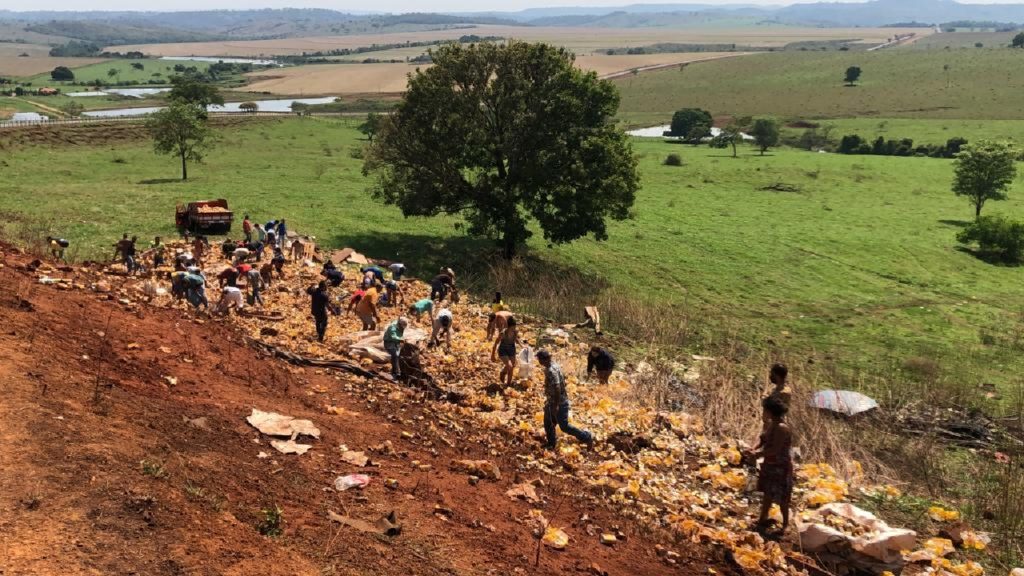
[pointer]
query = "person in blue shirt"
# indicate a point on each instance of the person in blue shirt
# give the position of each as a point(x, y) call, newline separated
point(425, 305)
point(282, 233)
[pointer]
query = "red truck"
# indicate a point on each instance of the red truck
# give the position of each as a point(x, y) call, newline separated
point(205, 216)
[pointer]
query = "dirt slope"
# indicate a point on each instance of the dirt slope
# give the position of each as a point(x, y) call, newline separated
point(86, 401)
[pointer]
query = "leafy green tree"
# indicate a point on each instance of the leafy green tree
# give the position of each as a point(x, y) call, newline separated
point(982, 172)
point(996, 237)
point(691, 123)
point(72, 109)
point(765, 132)
point(181, 130)
point(502, 134)
point(852, 75)
point(113, 72)
point(189, 89)
point(62, 74)
point(371, 126)
point(1018, 40)
point(250, 107)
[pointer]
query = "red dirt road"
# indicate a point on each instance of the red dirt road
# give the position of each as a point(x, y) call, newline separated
point(85, 401)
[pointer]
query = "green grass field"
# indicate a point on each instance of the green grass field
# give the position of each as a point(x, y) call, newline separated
point(897, 83)
point(125, 72)
point(857, 266)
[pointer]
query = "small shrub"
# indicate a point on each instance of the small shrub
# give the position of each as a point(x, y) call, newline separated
point(673, 160)
point(997, 238)
point(153, 468)
point(272, 523)
point(922, 368)
point(119, 160)
point(356, 152)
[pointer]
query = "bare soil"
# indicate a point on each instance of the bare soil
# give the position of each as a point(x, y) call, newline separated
point(110, 467)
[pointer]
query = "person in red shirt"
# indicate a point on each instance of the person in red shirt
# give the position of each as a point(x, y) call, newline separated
point(247, 228)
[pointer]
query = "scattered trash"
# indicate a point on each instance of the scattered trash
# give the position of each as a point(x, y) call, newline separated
point(863, 531)
point(387, 525)
point(524, 491)
point(608, 539)
point(940, 514)
point(343, 483)
point(171, 380)
point(355, 458)
point(844, 402)
point(273, 424)
point(289, 447)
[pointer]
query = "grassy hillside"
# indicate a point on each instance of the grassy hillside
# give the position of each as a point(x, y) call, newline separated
point(981, 84)
point(125, 72)
point(924, 131)
point(856, 266)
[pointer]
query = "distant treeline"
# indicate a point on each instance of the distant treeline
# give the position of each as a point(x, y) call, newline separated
point(997, 26)
point(854, 144)
point(320, 56)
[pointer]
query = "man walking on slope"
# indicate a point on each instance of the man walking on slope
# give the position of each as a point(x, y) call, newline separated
point(320, 299)
point(556, 405)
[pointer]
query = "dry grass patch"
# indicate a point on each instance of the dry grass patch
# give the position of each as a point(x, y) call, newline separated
point(14, 65)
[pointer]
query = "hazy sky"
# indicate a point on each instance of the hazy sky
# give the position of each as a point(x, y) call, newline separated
point(349, 6)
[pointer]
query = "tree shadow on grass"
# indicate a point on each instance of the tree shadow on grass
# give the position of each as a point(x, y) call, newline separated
point(955, 223)
point(477, 263)
point(992, 258)
point(161, 181)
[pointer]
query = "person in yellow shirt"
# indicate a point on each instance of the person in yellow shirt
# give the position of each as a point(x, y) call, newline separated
point(498, 305)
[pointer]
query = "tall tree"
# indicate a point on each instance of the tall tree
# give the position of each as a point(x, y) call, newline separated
point(181, 130)
point(502, 134)
point(765, 132)
point(1018, 40)
point(982, 172)
point(62, 73)
point(852, 75)
point(691, 123)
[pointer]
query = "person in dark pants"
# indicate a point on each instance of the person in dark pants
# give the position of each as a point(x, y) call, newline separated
point(556, 405)
point(320, 300)
point(440, 286)
point(393, 336)
point(602, 361)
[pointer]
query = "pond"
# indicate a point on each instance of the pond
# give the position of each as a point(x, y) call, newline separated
point(283, 105)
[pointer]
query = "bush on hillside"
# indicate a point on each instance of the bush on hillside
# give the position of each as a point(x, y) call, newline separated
point(673, 160)
point(997, 238)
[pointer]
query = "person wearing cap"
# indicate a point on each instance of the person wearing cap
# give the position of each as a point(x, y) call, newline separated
point(442, 327)
point(601, 361)
point(556, 405)
point(393, 336)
